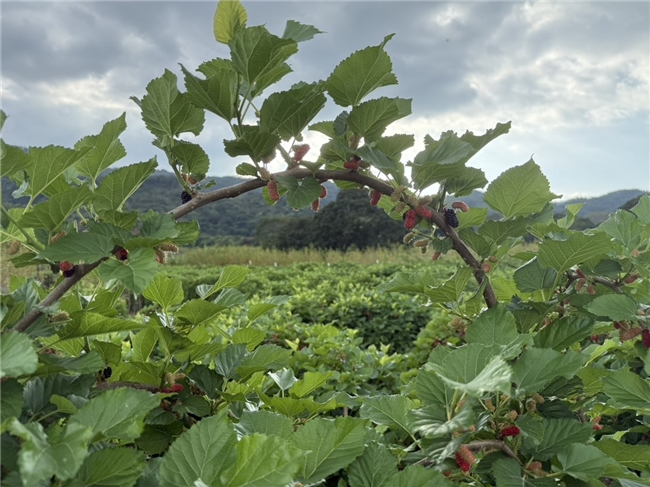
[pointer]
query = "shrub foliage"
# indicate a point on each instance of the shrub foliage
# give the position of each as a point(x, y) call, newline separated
point(548, 385)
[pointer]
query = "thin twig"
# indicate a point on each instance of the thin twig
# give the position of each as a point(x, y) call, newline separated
point(492, 445)
point(105, 386)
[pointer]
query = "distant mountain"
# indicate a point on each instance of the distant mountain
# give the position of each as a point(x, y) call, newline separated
point(595, 209)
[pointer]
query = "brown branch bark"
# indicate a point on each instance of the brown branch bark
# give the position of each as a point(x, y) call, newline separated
point(492, 445)
point(236, 190)
point(105, 386)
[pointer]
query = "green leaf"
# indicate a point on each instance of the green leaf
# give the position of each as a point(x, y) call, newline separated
point(249, 337)
point(253, 143)
point(143, 344)
point(359, 74)
point(495, 326)
point(628, 390)
point(260, 57)
point(309, 383)
point(624, 228)
point(374, 468)
point(266, 357)
point(642, 209)
point(246, 169)
point(85, 324)
point(507, 473)
point(11, 399)
point(564, 333)
point(101, 150)
point(166, 112)
point(464, 184)
point(635, 457)
point(472, 218)
point(579, 247)
point(287, 113)
point(118, 467)
point(498, 231)
point(370, 118)
point(47, 164)
point(116, 414)
point(217, 94)
point(193, 158)
point(13, 159)
point(557, 434)
point(231, 276)
point(156, 438)
point(53, 213)
point(121, 184)
point(432, 421)
point(431, 389)
point(617, 307)
point(477, 243)
point(416, 476)
point(266, 423)
point(41, 457)
point(229, 17)
point(495, 376)
point(164, 291)
point(299, 32)
point(571, 212)
point(393, 145)
point(263, 461)
point(78, 248)
point(91, 362)
point(452, 289)
point(326, 128)
point(203, 452)
point(331, 445)
point(537, 367)
point(136, 273)
point(532, 277)
point(380, 161)
point(300, 193)
point(519, 191)
point(17, 355)
point(296, 407)
point(197, 312)
point(387, 410)
point(583, 462)
point(440, 160)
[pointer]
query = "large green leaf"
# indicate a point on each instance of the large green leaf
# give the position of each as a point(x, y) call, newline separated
point(583, 462)
point(121, 184)
point(624, 228)
point(197, 312)
point(47, 164)
point(617, 307)
point(495, 326)
point(433, 421)
point(381, 161)
point(331, 445)
point(266, 423)
point(116, 414)
point(53, 213)
point(12, 159)
point(387, 410)
point(309, 383)
point(287, 113)
point(416, 476)
point(642, 209)
point(374, 468)
point(217, 93)
point(193, 158)
point(230, 277)
point(519, 191)
point(300, 193)
point(507, 473)
point(557, 434)
point(564, 254)
point(452, 289)
point(532, 277)
point(299, 32)
point(564, 332)
point(41, 457)
point(266, 357)
point(464, 184)
point(85, 324)
point(78, 248)
point(202, 453)
point(229, 17)
point(537, 367)
point(101, 150)
point(167, 112)
point(370, 118)
point(263, 461)
point(393, 145)
point(628, 390)
point(258, 55)
point(136, 273)
point(17, 355)
point(118, 467)
point(11, 399)
point(498, 231)
point(361, 73)
point(495, 376)
point(635, 457)
point(253, 143)
point(431, 389)
point(164, 291)
point(440, 160)
point(90, 362)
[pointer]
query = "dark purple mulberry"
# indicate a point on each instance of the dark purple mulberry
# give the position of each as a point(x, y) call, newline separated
point(450, 218)
point(185, 197)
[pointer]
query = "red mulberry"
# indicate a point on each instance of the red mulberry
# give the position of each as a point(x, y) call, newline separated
point(67, 268)
point(122, 254)
point(299, 151)
point(375, 196)
point(176, 388)
point(272, 186)
point(645, 338)
point(424, 212)
point(315, 206)
point(351, 166)
point(465, 458)
point(185, 197)
point(450, 218)
point(323, 192)
point(510, 431)
point(411, 218)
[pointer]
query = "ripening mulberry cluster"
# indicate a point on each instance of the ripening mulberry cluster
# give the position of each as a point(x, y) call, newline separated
point(375, 196)
point(272, 186)
point(299, 151)
point(465, 458)
point(410, 219)
point(510, 431)
point(315, 205)
point(450, 218)
point(424, 212)
point(185, 197)
point(645, 338)
point(67, 268)
point(353, 164)
point(173, 389)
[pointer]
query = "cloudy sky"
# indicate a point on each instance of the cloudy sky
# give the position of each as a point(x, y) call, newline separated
point(573, 77)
